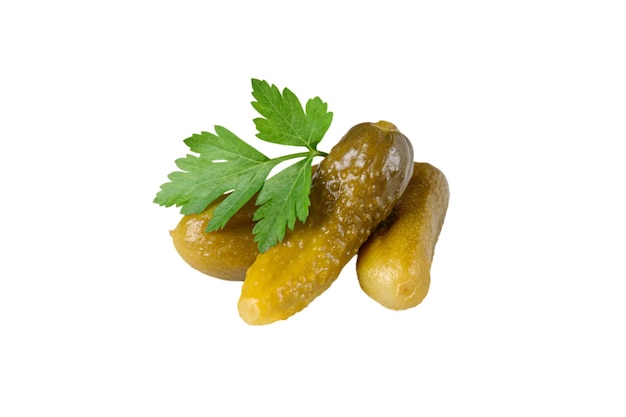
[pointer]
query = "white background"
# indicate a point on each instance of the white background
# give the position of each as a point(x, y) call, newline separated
point(522, 104)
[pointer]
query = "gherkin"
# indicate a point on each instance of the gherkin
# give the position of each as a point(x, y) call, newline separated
point(394, 264)
point(352, 191)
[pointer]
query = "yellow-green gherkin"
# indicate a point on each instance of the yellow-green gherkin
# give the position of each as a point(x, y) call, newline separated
point(394, 264)
point(353, 190)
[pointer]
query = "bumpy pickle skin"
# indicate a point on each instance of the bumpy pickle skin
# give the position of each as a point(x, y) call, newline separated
point(353, 190)
point(226, 253)
point(393, 266)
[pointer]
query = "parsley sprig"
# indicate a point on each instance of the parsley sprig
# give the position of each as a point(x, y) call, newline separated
point(226, 164)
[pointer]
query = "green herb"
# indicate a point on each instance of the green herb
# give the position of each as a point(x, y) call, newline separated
point(226, 164)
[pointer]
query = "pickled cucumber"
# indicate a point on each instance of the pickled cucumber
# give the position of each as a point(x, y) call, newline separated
point(353, 190)
point(226, 253)
point(393, 265)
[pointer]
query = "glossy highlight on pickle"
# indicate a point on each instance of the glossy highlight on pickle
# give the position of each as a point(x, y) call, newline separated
point(353, 190)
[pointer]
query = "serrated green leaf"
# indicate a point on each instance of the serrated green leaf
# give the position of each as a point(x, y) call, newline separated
point(283, 199)
point(243, 192)
point(226, 163)
point(224, 145)
point(319, 119)
point(285, 122)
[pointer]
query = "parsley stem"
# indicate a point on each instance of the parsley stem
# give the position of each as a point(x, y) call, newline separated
point(311, 153)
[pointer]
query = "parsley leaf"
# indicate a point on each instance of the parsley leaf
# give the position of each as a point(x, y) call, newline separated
point(288, 193)
point(285, 121)
point(226, 164)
